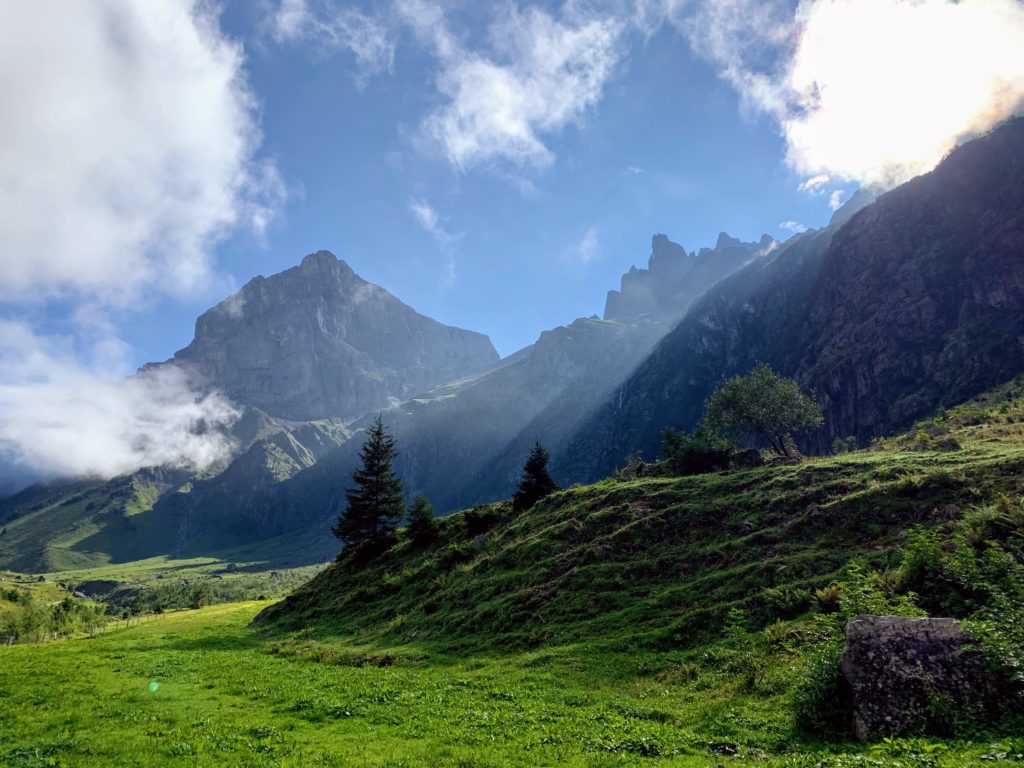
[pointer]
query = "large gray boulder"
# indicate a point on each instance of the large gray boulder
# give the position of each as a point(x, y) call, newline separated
point(910, 675)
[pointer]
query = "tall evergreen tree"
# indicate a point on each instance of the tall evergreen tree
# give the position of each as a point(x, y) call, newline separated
point(422, 522)
point(376, 503)
point(536, 482)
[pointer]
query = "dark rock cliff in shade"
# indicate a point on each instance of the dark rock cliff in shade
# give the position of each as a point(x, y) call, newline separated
point(317, 341)
point(916, 301)
point(674, 278)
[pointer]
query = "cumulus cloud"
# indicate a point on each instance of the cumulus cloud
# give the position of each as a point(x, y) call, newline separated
point(531, 76)
point(873, 91)
point(60, 416)
point(887, 88)
point(835, 200)
point(127, 147)
point(332, 29)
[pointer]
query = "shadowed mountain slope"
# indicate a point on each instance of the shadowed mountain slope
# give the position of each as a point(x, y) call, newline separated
point(916, 301)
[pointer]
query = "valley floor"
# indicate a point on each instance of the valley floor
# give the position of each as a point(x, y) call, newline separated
point(204, 688)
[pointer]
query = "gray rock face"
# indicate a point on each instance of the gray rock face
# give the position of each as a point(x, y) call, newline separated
point(915, 302)
point(674, 278)
point(902, 671)
point(318, 341)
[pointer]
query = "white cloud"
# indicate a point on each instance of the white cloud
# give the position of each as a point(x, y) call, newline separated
point(874, 91)
point(63, 417)
point(815, 183)
point(633, 170)
point(793, 226)
point(587, 247)
point(835, 200)
point(334, 29)
point(427, 217)
point(534, 76)
point(127, 148)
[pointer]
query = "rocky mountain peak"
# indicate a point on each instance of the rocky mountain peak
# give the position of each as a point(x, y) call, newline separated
point(674, 278)
point(664, 252)
point(318, 341)
point(725, 241)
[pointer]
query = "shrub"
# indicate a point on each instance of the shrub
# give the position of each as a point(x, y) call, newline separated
point(844, 444)
point(827, 599)
point(786, 602)
point(822, 705)
point(694, 454)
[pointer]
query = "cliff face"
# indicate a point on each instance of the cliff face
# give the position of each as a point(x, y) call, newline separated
point(318, 341)
point(913, 302)
point(674, 278)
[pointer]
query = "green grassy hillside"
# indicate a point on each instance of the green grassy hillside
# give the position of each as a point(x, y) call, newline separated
point(642, 621)
point(658, 562)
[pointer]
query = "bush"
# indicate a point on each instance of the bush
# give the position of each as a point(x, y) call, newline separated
point(694, 454)
point(827, 599)
point(844, 445)
point(785, 602)
point(822, 704)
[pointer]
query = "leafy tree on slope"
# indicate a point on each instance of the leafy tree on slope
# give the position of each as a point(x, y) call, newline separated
point(762, 404)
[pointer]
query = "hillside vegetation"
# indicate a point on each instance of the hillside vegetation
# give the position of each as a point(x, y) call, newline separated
point(641, 621)
point(659, 562)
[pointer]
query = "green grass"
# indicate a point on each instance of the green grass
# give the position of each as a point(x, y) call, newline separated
point(228, 696)
point(654, 562)
point(594, 630)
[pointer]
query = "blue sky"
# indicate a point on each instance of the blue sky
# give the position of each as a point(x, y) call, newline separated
point(667, 148)
point(496, 165)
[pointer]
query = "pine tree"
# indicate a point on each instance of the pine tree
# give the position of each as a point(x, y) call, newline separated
point(376, 503)
point(422, 522)
point(536, 482)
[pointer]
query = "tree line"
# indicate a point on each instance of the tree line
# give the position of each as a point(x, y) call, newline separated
point(29, 619)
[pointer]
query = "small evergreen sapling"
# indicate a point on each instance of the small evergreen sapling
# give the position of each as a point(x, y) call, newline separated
point(536, 482)
point(422, 520)
point(376, 503)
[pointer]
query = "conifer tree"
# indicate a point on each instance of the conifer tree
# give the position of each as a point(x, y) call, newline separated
point(422, 520)
point(376, 503)
point(536, 482)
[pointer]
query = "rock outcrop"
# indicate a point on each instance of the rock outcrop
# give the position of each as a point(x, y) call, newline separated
point(674, 278)
point(317, 341)
point(912, 675)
